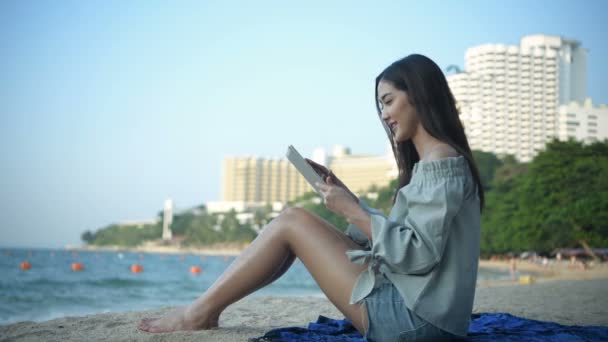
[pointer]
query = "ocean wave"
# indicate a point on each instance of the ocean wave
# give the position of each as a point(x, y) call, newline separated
point(112, 282)
point(116, 282)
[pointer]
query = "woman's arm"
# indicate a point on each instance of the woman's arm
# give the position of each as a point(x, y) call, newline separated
point(360, 218)
point(414, 242)
point(342, 202)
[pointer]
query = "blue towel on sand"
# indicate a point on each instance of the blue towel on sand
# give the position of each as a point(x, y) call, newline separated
point(484, 327)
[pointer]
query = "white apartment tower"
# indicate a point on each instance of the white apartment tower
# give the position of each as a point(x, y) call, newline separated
point(509, 96)
point(583, 122)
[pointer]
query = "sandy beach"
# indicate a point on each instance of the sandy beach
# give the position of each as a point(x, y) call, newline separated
point(552, 271)
point(560, 294)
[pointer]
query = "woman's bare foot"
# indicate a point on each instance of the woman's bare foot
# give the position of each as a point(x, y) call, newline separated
point(178, 319)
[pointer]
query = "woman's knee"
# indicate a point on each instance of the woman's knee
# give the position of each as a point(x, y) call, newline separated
point(288, 218)
point(293, 216)
point(294, 213)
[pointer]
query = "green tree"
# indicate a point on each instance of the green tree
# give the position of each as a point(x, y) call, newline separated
point(384, 201)
point(558, 199)
point(262, 216)
point(87, 237)
point(487, 163)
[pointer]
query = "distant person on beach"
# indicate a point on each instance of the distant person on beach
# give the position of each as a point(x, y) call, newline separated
point(513, 268)
point(408, 275)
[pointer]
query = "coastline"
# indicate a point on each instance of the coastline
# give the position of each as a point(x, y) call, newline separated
point(554, 271)
point(570, 302)
point(232, 249)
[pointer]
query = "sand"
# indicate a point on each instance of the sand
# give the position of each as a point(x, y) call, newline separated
point(251, 317)
point(555, 296)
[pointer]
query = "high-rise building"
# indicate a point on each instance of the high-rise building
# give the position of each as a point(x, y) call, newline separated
point(263, 180)
point(509, 95)
point(583, 122)
point(253, 179)
point(360, 172)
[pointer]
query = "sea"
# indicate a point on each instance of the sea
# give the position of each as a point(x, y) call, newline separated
point(51, 289)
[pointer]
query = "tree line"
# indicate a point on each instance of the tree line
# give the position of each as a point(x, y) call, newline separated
point(196, 229)
point(559, 199)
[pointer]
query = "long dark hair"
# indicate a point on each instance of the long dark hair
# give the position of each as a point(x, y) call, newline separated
point(429, 93)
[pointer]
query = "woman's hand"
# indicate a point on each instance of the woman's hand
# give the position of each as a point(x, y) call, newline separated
point(326, 173)
point(319, 169)
point(337, 199)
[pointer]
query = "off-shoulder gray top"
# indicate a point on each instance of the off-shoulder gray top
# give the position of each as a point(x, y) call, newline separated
point(428, 246)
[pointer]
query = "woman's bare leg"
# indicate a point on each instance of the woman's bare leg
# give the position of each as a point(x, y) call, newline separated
point(295, 232)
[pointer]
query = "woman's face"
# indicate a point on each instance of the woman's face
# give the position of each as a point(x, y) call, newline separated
point(397, 111)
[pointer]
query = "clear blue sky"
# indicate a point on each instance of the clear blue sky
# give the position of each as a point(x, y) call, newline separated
point(107, 108)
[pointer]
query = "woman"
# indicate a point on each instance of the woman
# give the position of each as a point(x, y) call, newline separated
point(410, 275)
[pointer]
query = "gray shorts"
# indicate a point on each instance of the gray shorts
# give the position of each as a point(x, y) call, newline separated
point(390, 320)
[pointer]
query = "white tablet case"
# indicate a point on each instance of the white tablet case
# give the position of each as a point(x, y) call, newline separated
point(303, 167)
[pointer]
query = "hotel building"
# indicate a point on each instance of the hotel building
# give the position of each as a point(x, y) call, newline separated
point(271, 180)
point(583, 122)
point(509, 96)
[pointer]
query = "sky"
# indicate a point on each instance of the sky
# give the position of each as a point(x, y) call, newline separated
point(107, 108)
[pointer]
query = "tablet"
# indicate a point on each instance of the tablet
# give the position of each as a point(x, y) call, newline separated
point(304, 168)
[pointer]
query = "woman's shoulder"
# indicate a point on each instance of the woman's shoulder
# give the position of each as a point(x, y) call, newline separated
point(442, 151)
point(440, 169)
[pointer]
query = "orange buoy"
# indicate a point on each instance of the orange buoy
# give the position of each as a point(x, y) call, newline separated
point(196, 269)
point(76, 267)
point(226, 258)
point(25, 266)
point(136, 268)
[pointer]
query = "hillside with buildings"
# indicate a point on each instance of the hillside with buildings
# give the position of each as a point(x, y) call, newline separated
point(558, 200)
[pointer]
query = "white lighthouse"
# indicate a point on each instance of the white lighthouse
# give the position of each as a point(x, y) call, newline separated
point(167, 219)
